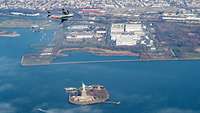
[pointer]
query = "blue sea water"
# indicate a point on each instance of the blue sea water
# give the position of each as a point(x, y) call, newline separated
point(141, 87)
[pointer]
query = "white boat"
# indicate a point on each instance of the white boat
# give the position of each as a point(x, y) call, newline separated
point(70, 89)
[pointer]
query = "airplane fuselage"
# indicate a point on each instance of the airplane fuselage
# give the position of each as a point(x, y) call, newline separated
point(61, 16)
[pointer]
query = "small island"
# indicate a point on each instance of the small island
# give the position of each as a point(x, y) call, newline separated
point(9, 34)
point(86, 95)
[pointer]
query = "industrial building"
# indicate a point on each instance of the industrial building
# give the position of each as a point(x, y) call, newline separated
point(78, 27)
point(85, 38)
point(181, 17)
point(126, 34)
point(127, 39)
point(80, 35)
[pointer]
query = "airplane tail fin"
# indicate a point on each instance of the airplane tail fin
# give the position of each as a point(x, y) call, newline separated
point(65, 12)
point(49, 13)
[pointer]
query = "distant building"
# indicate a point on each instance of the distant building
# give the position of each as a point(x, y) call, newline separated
point(80, 35)
point(118, 28)
point(126, 39)
point(133, 28)
point(78, 27)
point(126, 34)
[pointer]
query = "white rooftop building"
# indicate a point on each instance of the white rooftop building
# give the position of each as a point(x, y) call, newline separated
point(133, 28)
point(127, 34)
point(78, 27)
point(81, 35)
point(117, 28)
point(125, 39)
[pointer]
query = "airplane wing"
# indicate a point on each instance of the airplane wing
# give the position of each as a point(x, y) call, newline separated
point(62, 20)
point(49, 13)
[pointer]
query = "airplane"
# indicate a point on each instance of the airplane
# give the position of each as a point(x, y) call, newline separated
point(64, 17)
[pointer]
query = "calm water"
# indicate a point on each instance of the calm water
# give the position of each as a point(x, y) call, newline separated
point(142, 87)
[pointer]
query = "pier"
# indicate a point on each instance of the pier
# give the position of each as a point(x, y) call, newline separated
point(104, 61)
point(77, 62)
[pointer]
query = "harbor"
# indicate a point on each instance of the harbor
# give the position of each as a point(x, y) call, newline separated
point(99, 56)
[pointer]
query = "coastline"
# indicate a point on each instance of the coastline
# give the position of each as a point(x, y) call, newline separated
point(108, 61)
point(104, 52)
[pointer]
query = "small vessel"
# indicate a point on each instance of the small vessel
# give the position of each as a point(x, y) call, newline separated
point(86, 95)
